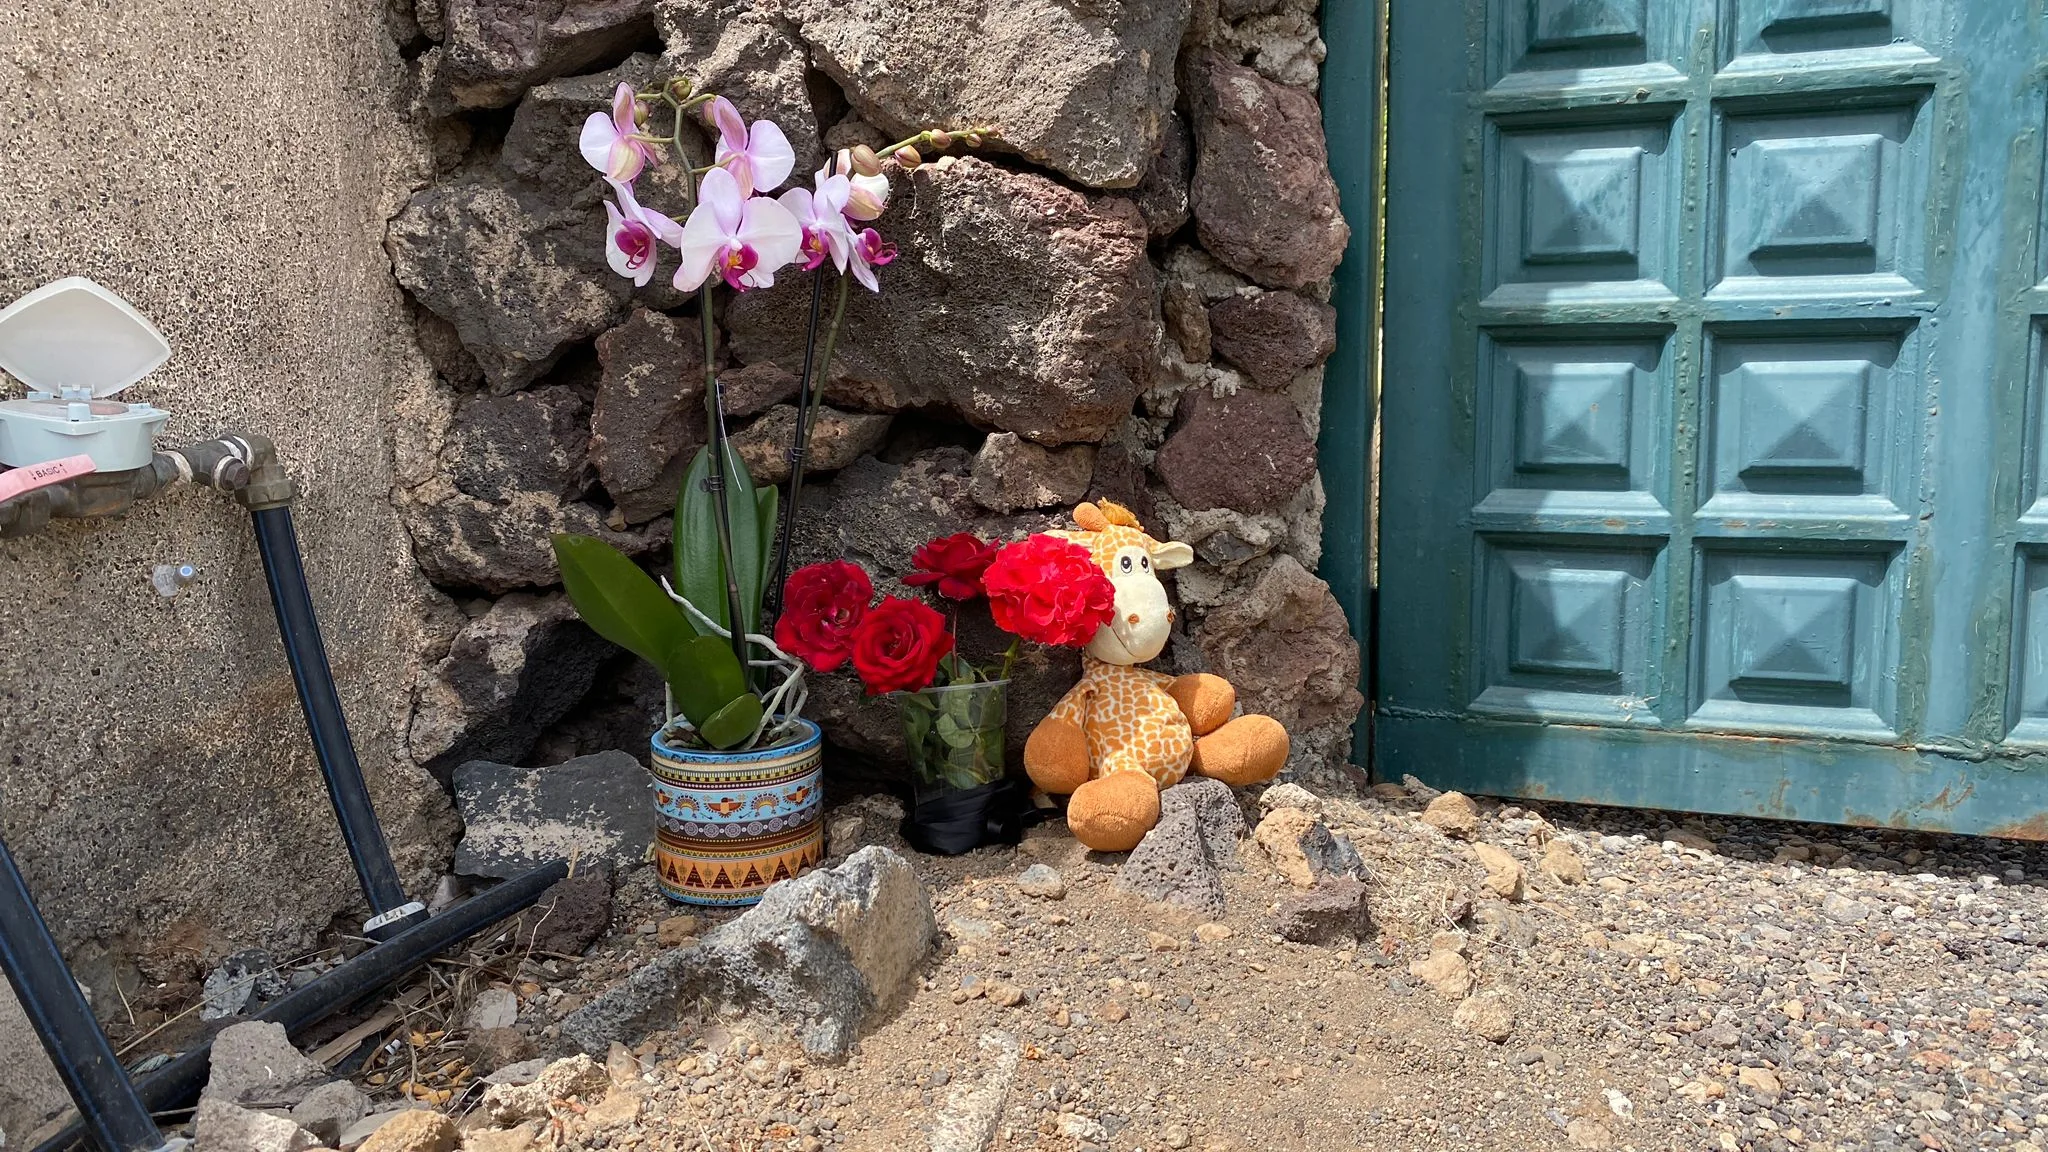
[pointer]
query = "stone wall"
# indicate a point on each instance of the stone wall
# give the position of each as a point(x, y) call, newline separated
point(229, 167)
point(1125, 297)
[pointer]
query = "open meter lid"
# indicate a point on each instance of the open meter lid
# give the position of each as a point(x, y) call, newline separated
point(75, 334)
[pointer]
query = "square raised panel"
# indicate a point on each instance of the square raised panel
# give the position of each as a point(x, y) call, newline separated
point(1580, 42)
point(1566, 630)
point(1822, 202)
point(2027, 710)
point(1758, 30)
point(1806, 421)
point(1569, 428)
point(1580, 213)
point(1795, 640)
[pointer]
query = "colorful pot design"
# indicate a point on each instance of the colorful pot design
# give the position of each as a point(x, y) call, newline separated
point(729, 824)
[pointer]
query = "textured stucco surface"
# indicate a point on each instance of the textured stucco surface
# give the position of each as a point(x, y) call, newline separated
point(229, 168)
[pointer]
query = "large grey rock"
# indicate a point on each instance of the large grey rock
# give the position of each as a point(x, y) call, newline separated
point(1274, 336)
point(1262, 194)
point(836, 440)
point(493, 50)
point(1163, 195)
point(1079, 88)
point(520, 280)
point(1249, 452)
point(502, 447)
point(648, 418)
point(508, 674)
point(461, 541)
point(1047, 299)
point(514, 819)
point(1181, 861)
point(1011, 474)
point(747, 52)
point(219, 1126)
point(820, 954)
point(254, 1064)
point(1286, 646)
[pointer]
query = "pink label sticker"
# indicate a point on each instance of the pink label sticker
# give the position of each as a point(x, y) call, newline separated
point(16, 481)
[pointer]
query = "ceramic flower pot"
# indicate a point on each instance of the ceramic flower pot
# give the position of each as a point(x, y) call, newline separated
point(729, 824)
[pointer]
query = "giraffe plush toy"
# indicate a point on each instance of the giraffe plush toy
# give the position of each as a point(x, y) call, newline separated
point(1125, 732)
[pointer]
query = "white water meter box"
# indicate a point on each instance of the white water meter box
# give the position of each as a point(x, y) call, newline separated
point(75, 344)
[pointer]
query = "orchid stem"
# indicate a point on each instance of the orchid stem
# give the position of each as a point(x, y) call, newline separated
point(799, 441)
point(714, 404)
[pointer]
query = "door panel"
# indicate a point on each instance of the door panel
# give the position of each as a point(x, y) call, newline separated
point(1713, 407)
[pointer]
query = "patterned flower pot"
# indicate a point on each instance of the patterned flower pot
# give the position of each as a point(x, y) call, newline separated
point(729, 824)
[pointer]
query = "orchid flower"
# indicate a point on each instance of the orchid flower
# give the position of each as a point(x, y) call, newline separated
point(868, 195)
point(869, 252)
point(759, 157)
point(609, 143)
point(822, 215)
point(742, 238)
point(631, 232)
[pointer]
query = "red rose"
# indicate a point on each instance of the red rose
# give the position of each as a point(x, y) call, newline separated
point(955, 563)
point(898, 646)
point(822, 604)
point(1049, 590)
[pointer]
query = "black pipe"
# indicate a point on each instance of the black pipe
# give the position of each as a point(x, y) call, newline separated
point(177, 1084)
point(108, 1103)
point(300, 630)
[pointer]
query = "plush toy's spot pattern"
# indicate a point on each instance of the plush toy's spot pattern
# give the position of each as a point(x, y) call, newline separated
point(1125, 732)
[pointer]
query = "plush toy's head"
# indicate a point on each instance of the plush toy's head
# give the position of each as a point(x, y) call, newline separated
point(1133, 561)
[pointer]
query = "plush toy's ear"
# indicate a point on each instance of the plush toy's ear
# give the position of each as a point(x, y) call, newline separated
point(1170, 555)
point(1089, 518)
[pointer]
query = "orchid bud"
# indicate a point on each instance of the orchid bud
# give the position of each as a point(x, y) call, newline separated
point(941, 139)
point(639, 114)
point(679, 88)
point(972, 139)
point(865, 161)
point(907, 157)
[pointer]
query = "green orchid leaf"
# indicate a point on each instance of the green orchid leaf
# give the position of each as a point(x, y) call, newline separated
point(620, 602)
point(731, 725)
point(699, 576)
point(700, 573)
point(769, 500)
point(705, 677)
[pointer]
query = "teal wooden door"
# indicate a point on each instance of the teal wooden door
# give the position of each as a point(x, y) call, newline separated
point(1713, 404)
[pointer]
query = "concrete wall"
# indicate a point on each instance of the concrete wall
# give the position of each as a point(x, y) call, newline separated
point(229, 167)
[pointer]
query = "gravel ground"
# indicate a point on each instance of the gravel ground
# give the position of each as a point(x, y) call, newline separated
point(1720, 984)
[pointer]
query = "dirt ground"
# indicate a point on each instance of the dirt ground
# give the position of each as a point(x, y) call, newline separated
point(1723, 984)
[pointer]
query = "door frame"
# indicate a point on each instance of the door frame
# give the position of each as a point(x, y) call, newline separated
point(1354, 104)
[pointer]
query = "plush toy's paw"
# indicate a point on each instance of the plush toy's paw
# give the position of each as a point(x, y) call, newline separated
point(1206, 700)
point(1245, 751)
point(1056, 756)
point(1113, 813)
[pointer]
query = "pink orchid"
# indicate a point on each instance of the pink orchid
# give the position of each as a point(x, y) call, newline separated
point(822, 215)
point(868, 194)
point(631, 232)
point(743, 238)
point(759, 158)
point(609, 143)
point(868, 253)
